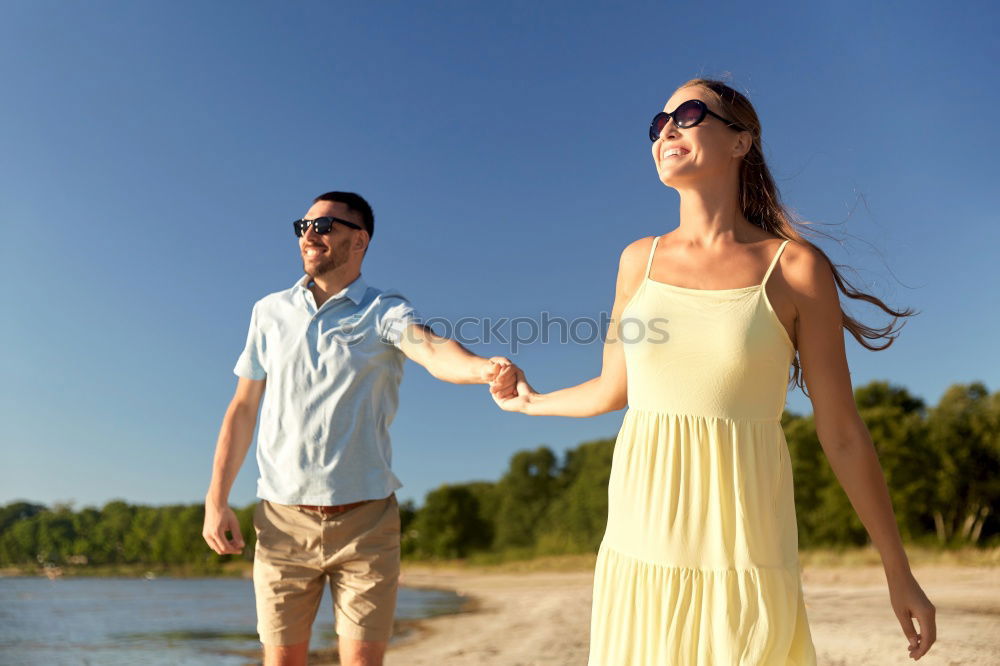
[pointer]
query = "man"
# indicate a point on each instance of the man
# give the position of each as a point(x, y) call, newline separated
point(330, 350)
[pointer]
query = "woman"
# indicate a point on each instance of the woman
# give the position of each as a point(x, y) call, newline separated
point(699, 562)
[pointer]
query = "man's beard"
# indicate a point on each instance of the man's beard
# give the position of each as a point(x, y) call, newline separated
point(334, 259)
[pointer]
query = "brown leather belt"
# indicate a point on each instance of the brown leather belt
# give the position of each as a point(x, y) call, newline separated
point(333, 509)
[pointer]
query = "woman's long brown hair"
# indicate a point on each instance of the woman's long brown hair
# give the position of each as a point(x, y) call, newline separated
point(761, 206)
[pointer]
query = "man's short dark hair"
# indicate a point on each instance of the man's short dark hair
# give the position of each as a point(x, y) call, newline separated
point(356, 203)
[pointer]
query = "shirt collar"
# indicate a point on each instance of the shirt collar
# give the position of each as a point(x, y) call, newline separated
point(354, 291)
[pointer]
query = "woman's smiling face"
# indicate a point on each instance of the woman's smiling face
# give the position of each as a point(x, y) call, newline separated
point(710, 149)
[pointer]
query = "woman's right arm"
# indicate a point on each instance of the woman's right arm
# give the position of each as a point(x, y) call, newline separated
point(606, 392)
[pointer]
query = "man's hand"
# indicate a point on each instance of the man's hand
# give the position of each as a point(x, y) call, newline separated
point(501, 375)
point(218, 521)
point(510, 389)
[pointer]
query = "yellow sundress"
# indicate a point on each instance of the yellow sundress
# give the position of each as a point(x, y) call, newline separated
point(699, 562)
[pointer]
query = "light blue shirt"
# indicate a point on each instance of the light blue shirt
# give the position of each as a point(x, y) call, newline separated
point(333, 377)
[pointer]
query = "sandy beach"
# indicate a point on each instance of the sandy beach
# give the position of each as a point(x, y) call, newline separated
point(538, 617)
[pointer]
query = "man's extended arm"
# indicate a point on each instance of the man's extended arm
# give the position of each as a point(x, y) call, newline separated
point(449, 361)
point(235, 437)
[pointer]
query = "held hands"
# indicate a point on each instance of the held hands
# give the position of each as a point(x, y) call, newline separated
point(219, 520)
point(497, 373)
point(509, 388)
point(491, 369)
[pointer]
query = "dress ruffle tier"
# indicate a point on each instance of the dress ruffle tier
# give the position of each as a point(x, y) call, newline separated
point(699, 564)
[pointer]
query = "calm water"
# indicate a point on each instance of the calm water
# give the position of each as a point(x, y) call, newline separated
point(162, 621)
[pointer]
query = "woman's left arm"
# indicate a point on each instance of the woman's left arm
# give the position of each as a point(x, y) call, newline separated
point(845, 439)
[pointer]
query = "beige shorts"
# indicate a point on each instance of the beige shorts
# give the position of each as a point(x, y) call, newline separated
point(298, 550)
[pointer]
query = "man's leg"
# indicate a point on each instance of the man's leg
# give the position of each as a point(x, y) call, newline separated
point(288, 582)
point(361, 653)
point(364, 578)
point(286, 655)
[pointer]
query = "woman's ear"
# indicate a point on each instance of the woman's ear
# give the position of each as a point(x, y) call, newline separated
point(744, 142)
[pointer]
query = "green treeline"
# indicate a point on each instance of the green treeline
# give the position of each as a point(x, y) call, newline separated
point(942, 465)
point(116, 534)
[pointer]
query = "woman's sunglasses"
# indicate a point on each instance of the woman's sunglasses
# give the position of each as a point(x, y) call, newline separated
point(321, 225)
point(687, 115)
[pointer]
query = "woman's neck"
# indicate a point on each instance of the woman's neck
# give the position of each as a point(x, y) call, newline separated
point(711, 215)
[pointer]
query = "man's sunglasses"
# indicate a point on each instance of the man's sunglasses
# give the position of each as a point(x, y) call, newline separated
point(687, 115)
point(321, 225)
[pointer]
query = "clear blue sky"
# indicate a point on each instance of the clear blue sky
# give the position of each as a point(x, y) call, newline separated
point(154, 154)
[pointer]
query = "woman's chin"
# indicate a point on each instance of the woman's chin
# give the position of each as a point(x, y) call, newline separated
point(669, 179)
point(673, 177)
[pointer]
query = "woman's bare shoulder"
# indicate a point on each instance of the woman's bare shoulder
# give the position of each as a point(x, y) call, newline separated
point(807, 270)
point(632, 263)
point(636, 253)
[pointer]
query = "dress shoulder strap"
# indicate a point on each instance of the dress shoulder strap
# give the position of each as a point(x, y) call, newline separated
point(774, 262)
point(652, 251)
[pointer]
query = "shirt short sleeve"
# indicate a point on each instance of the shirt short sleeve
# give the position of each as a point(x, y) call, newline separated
point(395, 314)
point(249, 364)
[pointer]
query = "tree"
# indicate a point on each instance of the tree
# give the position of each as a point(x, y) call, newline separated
point(964, 432)
point(897, 423)
point(576, 519)
point(524, 495)
point(449, 525)
point(15, 511)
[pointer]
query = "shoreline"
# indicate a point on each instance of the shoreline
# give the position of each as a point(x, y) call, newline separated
point(510, 618)
point(814, 558)
point(542, 617)
point(538, 611)
point(412, 632)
